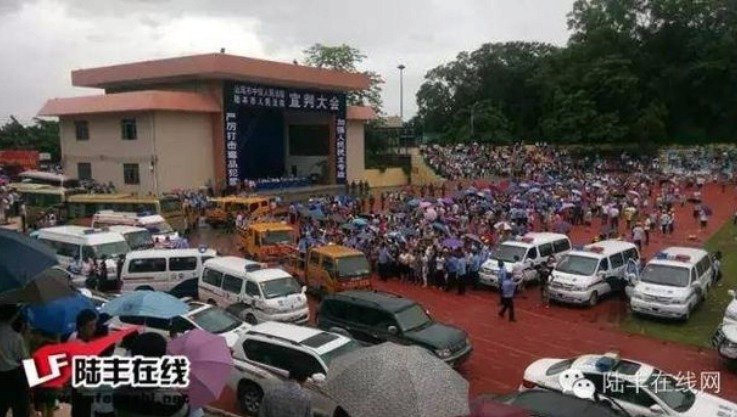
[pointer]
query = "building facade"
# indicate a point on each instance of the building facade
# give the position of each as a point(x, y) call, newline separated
point(218, 119)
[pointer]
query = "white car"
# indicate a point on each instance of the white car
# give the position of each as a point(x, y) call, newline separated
point(200, 316)
point(640, 389)
point(267, 352)
point(730, 314)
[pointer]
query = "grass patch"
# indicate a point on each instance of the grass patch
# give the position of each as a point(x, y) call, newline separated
point(704, 321)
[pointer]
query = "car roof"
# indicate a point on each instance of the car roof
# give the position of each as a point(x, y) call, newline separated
point(262, 227)
point(231, 264)
point(556, 404)
point(125, 229)
point(337, 250)
point(81, 234)
point(608, 248)
point(695, 255)
point(268, 274)
point(587, 364)
point(537, 239)
point(158, 253)
point(286, 331)
point(385, 301)
point(318, 341)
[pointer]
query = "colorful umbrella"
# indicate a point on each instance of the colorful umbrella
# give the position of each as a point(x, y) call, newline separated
point(452, 243)
point(58, 316)
point(45, 287)
point(146, 304)
point(210, 364)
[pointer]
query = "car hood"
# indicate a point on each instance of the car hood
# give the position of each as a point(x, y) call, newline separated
point(660, 290)
point(571, 279)
point(710, 405)
point(437, 336)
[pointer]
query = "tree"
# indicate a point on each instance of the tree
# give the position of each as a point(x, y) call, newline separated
point(42, 135)
point(346, 58)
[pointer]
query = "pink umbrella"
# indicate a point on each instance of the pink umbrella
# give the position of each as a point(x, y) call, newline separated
point(210, 364)
point(425, 204)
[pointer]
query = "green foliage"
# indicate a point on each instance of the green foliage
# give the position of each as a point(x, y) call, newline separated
point(640, 71)
point(346, 58)
point(42, 136)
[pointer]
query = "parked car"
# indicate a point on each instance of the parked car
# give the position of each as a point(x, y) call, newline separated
point(546, 403)
point(200, 316)
point(376, 317)
point(640, 389)
point(267, 352)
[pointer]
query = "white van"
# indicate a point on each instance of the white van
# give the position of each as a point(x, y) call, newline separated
point(532, 249)
point(730, 314)
point(171, 270)
point(584, 276)
point(673, 283)
point(254, 292)
point(78, 242)
point(154, 223)
point(138, 238)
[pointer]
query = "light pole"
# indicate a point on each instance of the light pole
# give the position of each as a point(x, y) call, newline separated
point(401, 68)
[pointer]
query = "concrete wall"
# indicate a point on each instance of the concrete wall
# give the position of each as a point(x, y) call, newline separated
point(182, 141)
point(355, 150)
point(184, 148)
point(107, 152)
point(391, 177)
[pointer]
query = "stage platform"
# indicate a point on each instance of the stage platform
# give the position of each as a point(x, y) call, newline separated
point(302, 193)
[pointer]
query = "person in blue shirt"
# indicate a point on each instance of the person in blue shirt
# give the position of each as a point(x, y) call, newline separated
point(451, 266)
point(507, 289)
point(461, 273)
point(385, 261)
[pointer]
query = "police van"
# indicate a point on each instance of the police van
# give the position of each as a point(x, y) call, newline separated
point(171, 270)
point(531, 250)
point(253, 291)
point(583, 276)
point(156, 225)
point(673, 283)
point(138, 238)
point(82, 243)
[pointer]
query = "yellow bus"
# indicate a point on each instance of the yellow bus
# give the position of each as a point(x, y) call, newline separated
point(81, 207)
point(41, 198)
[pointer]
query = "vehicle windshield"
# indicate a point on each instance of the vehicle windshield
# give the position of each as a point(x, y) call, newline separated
point(677, 396)
point(350, 346)
point(577, 265)
point(111, 250)
point(273, 237)
point(160, 228)
point(673, 276)
point(215, 320)
point(353, 266)
point(139, 240)
point(413, 318)
point(507, 253)
point(280, 287)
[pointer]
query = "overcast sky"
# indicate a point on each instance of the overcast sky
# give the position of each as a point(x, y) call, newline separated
point(41, 41)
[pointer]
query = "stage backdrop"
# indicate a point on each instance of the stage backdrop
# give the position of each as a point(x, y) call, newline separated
point(254, 144)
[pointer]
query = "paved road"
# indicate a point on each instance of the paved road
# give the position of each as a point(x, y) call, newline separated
point(502, 350)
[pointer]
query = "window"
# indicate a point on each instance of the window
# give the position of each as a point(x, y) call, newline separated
point(84, 170)
point(128, 129)
point(617, 260)
point(532, 253)
point(131, 174)
point(604, 265)
point(252, 289)
point(327, 264)
point(232, 284)
point(212, 277)
point(546, 250)
point(147, 265)
point(183, 264)
point(281, 357)
point(561, 245)
point(178, 324)
point(81, 130)
point(315, 259)
point(631, 254)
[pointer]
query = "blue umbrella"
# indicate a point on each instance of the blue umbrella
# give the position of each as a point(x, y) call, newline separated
point(317, 214)
point(413, 202)
point(21, 259)
point(58, 316)
point(146, 304)
point(359, 222)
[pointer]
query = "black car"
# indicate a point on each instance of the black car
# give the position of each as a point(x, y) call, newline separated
point(544, 403)
point(375, 317)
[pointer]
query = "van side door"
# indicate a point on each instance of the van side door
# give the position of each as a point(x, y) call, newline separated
point(617, 265)
point(209, 285)
point(251, 295)
point(232, 289)
point(149, 272)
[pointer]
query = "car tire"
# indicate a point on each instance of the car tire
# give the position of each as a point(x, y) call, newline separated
point(594, 299)
point(251, 319)
point(250, 396)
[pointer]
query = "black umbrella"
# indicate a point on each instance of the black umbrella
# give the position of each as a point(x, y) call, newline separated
point(21, 259)
point(47, 286)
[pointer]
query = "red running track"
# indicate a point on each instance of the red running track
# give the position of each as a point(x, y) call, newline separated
point(502, 350)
